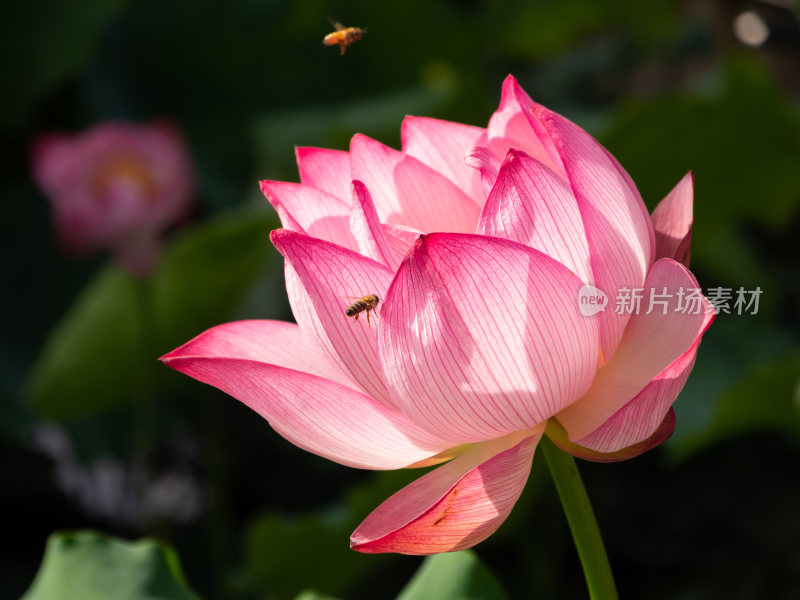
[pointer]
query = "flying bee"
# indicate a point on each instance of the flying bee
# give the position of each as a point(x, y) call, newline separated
point(344, 36)
point(366, 304)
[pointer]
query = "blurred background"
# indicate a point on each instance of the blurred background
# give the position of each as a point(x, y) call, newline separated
point(96, 434)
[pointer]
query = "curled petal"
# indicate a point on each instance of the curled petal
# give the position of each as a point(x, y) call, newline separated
point(347, 427)
point(455, 506)
point(616, 222)
point(531, 205)
point(640, 417)
point(327, 170)
point(318, 213)
point(480, 337)
point(322, 280)
point(662, 433)
point(658, 334)
point(408, 192)
point(672, 222)
point(513, 126)
point(487, 163)
point(371, 236)
point(442, 145)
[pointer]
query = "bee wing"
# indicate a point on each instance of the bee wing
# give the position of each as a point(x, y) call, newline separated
point(357, 298)
point(335, 24)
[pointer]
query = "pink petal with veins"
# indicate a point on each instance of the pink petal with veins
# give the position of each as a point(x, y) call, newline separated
point(454, 506)
point(274, 342)
point(480, 337)
point(327, 170)
point(531, 205)
point(400, 238)
point(651, 344)
point(371, 236)
point(512, 126)
point(672, 222)
point(322, 281)
point(347, 427)
point(616, 222)
point(662, 433)
point(642, 416)
point(318, 213)
point(408, 192)
point(442, 145)
point(487, 163)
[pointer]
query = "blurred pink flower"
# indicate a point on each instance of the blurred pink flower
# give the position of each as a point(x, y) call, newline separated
point(479, 241)
point(116, 186)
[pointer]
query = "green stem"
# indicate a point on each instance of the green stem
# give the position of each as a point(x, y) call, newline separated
point(582, 523)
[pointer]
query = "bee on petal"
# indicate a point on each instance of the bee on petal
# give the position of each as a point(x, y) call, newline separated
point(344, 36)
point(366, 304)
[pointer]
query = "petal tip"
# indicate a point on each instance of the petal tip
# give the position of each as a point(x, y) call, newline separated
point(510, 81)
point(358, 187)
point(172, 357)
point(359, 139)
point(364, 545)
point(280, 236)
point(363, 548)
point(513, 155)
point(424, 239)
point(177, 353)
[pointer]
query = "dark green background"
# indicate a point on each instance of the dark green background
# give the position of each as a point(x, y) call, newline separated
point(665, 85)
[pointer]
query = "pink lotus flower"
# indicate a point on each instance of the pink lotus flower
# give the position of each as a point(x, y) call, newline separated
point(479, 241)
point(115, 186)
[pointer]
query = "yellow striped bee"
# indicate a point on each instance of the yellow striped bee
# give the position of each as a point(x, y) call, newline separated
point(344, 36)
point(366, 304)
